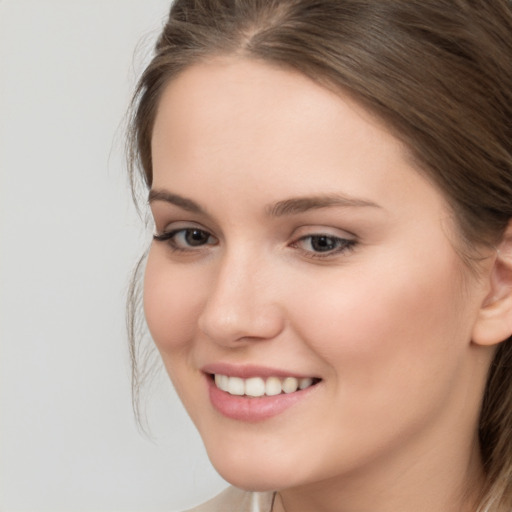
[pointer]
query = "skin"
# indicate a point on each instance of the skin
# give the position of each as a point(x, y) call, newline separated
point(388, 323)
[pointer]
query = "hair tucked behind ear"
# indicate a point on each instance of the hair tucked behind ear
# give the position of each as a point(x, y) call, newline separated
point(438, 72)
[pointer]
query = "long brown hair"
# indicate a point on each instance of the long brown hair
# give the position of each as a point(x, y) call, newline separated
point(438, 72)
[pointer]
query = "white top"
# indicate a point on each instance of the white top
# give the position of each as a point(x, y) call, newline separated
point(236, 500)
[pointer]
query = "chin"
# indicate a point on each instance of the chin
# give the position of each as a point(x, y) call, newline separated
point(253, 475)
point(256, 479)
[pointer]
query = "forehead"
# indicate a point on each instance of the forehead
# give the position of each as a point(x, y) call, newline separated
point(239, 124)
point(252, 93)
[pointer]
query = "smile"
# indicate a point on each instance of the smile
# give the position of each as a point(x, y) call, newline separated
point(258, 386)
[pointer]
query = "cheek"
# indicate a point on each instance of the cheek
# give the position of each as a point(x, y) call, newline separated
point(394, 324)
point(393, 342)
point(172, 301)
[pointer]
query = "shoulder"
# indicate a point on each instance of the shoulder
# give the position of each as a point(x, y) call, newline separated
point(236, 500)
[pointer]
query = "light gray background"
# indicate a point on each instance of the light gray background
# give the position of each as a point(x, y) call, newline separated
point(68, 240)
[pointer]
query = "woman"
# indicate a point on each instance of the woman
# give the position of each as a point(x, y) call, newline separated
point(330, 281)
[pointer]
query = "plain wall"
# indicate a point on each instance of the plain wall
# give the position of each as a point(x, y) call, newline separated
point(69, 238)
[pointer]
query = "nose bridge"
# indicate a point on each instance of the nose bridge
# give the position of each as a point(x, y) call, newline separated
point(241, 304)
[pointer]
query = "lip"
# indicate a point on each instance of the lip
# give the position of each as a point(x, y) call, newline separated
point(248, 371)
point(251, 409)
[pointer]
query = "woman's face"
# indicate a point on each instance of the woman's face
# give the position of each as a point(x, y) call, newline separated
point(300, 247)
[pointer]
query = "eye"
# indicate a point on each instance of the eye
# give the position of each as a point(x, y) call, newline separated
point(186, 239)
point(319, 245)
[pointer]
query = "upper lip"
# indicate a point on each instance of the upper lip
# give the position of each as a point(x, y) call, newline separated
point(248, 371)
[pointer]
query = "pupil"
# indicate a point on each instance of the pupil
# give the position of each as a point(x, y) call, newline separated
point(323, 243)
point(196, 237)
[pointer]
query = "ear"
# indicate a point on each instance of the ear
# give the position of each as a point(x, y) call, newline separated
point(494, 322)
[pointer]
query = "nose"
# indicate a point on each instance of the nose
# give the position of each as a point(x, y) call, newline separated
point(241, 304)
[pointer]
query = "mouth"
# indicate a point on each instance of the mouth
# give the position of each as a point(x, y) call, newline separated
point(253, 393)
point(255, 387)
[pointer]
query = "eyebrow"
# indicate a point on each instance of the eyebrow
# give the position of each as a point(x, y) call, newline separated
point(298, 205)
point(182, 202)
point(292, 206)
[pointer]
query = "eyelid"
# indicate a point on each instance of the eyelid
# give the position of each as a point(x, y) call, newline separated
point(177, 225)
point(319, 230)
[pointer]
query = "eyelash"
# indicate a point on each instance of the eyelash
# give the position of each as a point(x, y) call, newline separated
point(170, 238)
point(341, 245)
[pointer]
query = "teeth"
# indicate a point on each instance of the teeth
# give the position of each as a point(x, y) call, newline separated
point(305, 383)
point(256, 386)
point(236, 386)
point(290, 385)
point(273, 386)
point(222, 382)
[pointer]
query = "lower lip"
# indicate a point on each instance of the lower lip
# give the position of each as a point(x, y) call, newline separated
point(253, 409)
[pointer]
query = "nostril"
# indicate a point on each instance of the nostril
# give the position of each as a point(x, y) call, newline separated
point(241, 322)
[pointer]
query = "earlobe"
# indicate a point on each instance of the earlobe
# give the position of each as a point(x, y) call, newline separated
point(494, 322)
